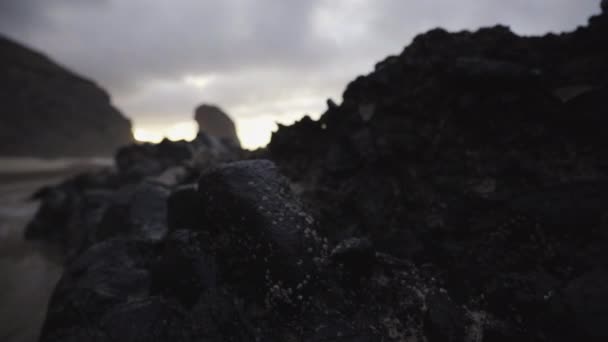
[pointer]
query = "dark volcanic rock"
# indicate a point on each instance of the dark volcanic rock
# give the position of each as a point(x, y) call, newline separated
point(48, 111)
point(130, 200)
point(267, 233)
point(141, 214)
point(445, 321)
point(148, 211)
point(149, 319)
point(142, 160)
point(184, 208)
point(185, 270)
point(354, 257)
point(586, 297)
point(105, 276)
point(477, 153)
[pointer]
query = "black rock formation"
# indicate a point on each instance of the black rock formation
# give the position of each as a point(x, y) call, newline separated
point(134, 199)
point(215, 122)
point(459, 193)
point(48, 111)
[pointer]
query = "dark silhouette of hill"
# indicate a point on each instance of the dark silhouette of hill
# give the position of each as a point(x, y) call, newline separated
point(48, 111)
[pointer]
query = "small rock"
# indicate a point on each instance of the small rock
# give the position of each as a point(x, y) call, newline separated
point(106, 275)
point(148, 211)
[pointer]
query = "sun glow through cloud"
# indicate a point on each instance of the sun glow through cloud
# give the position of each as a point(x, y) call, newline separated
point(199, 82)
point(144, 135)
point(253, 132)
point(186, 130)
point(182, 131)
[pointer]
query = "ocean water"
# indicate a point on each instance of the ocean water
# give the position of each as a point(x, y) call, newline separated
point(28, 271)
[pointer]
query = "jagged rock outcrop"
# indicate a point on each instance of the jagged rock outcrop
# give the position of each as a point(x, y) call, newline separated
point(481, 154)
point(215, 122)
point(48, 111)
point(459, 193)
point(129, 200)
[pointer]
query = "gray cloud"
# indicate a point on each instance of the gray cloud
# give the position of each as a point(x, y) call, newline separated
point(255, 57)
point(124, 43)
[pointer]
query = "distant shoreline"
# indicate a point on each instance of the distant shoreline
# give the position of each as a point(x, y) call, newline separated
point(7, 178)
point(14, 170)
point(29, 269)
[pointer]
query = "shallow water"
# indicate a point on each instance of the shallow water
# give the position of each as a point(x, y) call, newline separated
point(28, 274)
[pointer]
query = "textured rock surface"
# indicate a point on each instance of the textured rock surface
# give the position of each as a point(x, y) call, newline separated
point(268, 238)
point(132, 199)
point(459, 193)
point(48, 111)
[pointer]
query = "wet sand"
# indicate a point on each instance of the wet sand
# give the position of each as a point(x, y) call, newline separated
point(28, 273)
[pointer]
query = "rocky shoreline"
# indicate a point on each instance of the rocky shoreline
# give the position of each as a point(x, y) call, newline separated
point(458, 193)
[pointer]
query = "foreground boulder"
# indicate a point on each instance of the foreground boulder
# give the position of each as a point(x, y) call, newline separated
point(478, 153)
point(267, 234)
point(48, 111)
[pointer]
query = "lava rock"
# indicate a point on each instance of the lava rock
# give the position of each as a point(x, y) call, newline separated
point(184, 270)
point(183, 208)
point(69, 217)
point(137, 161)
point(139, 211)
point(264, 228)
point(54, 212)
point(148, 211)
point(104, 276)
point(175, 151)
point(149, 319)
point(490, 72)
point(221, 318)
point(444, 320)
point(355, 257)
point(586, 296)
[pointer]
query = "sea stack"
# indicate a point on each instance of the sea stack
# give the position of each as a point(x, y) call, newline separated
point(215, 122)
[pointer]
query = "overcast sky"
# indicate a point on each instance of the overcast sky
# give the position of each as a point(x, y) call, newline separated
point(261, 60)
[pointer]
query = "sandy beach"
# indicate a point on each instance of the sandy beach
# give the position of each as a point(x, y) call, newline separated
point(28, 272)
